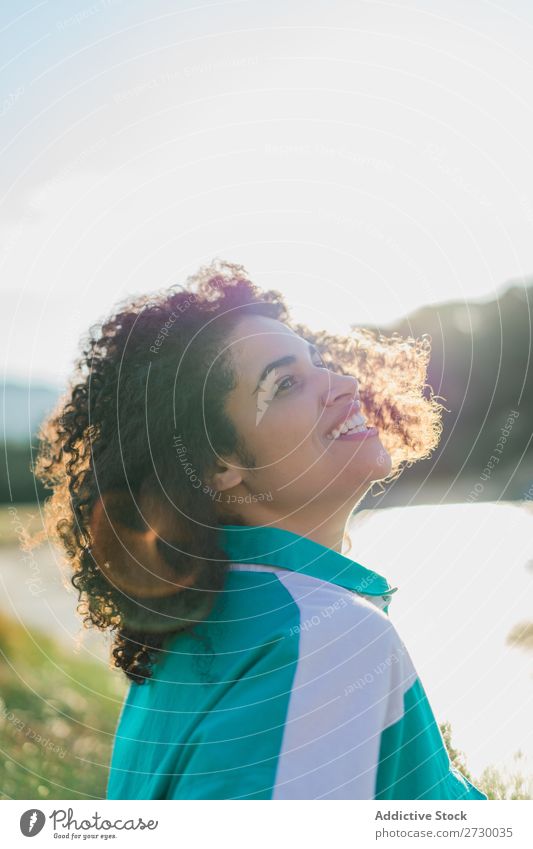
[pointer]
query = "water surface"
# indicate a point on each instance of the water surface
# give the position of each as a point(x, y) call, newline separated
point(465, 579)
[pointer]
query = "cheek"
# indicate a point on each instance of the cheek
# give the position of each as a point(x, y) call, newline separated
point(286, 438)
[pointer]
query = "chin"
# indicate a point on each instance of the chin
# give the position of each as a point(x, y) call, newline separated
point(378, 466)
point(383, 465)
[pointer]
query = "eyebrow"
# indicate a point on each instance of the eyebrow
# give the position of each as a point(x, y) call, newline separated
point(283, 361)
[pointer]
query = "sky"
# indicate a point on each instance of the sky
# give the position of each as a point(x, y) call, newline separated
point(363, 157)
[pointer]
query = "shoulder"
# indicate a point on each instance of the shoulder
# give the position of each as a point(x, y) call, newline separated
point(302, 599)
point(289, 616)
point(334, 607)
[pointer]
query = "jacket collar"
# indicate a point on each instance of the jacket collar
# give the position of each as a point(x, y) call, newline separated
point(279, 547)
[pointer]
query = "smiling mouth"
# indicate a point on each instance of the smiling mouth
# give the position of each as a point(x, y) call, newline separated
point(357, 434)
point(355, 423)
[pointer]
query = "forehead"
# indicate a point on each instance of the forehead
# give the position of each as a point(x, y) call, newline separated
point(257, 340)
point(257, 335)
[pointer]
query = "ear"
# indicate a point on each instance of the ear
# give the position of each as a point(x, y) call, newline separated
point(225, 477)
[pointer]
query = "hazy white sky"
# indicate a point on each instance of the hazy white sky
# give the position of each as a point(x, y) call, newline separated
point(362, 157)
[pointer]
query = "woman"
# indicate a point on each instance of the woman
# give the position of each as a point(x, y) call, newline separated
point(205, 462)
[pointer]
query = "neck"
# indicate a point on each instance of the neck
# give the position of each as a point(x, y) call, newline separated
point(328, 531)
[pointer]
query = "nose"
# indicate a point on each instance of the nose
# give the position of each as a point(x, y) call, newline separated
point(340, 385)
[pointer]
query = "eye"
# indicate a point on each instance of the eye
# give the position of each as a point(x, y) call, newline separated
point(280, 387)
point(320, 363)
point(289, 381)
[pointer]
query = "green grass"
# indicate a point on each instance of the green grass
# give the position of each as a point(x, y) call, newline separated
point(497, 783)
point(508, 783)
point(58, 714)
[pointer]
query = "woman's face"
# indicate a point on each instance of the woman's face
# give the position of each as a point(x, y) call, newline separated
point(284, 406)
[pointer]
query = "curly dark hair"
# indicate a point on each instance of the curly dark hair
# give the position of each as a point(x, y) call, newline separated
point(141, 535)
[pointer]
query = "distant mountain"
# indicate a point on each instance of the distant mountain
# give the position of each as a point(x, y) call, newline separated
point(23, 409)
point(482, 364)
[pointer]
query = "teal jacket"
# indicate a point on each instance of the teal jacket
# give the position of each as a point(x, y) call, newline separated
point(297, 686)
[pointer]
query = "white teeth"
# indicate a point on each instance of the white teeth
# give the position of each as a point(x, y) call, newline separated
point(354, 424)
